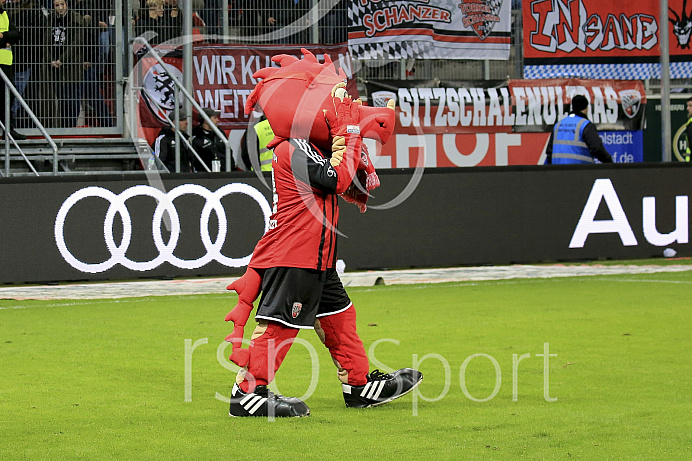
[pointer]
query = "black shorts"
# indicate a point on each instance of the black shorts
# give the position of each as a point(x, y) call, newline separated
point(296, 297)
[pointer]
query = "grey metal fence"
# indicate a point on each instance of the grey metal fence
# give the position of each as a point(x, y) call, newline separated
point(64, 65)
point(74, 57)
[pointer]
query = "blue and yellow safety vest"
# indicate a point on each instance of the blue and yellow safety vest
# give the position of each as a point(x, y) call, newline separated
point(568, 143)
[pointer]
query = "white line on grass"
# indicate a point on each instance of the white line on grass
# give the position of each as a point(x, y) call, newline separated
point(684, 282)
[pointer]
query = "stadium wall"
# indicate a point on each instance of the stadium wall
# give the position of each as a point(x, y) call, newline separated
point(98, 228)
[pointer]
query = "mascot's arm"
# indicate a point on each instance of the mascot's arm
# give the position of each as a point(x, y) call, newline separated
point(344, 126)
point(312, 167)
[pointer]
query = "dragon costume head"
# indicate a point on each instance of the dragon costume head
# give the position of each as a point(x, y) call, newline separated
point(295, 95)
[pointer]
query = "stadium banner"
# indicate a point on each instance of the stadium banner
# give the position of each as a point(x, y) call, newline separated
point(619, 39)
point(119, 228)
point(445, 124)
point(613, 104)
point(652, 132)
point(432, 29)
point(222, 78)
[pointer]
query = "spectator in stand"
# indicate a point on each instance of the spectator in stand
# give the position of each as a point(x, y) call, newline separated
point(27, 17)
point(199, 25)
point(9, 35)
point(173, 20)
point(210, 14)
point(208, 146)
point(95, 15)
point(291, 18)
point(164, 145)
point(259, 17)
point(63, 66)
point(333, 25)
point(152, 20)
point(137, 10)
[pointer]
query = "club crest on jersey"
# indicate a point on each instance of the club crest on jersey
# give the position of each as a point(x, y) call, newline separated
point(295, 310)
point(481, 15)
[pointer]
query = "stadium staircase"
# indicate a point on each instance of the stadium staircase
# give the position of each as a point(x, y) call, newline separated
point(76, 156)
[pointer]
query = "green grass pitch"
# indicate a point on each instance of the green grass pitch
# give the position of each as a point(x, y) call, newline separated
point(111, 379)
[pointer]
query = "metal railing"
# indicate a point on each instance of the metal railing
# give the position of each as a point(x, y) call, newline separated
point(178, 135)
point(179, 88)
point(6, 126)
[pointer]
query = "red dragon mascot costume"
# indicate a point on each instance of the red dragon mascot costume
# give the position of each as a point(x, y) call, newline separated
point(318, 155)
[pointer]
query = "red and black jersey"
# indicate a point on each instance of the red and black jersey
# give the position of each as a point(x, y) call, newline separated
point(302, 230)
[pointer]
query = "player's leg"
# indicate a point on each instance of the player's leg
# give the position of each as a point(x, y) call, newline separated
point(248, 288)
point(269, 345)
point(340, 337)
point(289, 302)
point(336, 326)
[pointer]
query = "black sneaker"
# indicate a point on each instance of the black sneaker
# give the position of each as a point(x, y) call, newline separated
point(261, 402)
point(381, 388)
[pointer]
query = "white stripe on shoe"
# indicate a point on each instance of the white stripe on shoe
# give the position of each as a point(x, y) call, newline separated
point(365, 389)
point(373, 389)
point(251, 402)
point(248, 403)
point(379, 389)
point(258, 404)
point(246, 398)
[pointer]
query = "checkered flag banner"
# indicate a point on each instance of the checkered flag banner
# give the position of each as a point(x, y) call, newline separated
point(632, 71)
point(437, 29)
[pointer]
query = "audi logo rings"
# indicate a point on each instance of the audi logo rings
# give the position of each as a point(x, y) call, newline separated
point(164, 205)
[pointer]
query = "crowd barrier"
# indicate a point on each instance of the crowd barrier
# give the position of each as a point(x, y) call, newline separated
point(113, 228)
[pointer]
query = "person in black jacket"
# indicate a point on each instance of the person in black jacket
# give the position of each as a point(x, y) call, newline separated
point(62, 68)
point(28, 17)
point(164, 146)
point(574, 139)
point(208, 146)
point(95, 17)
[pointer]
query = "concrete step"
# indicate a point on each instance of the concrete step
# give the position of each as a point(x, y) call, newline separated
point(75, 156)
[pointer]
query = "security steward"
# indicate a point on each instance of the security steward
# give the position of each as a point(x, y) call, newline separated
point(264, 135)
point(9, 35)
point(254, 144)
point(575, 139)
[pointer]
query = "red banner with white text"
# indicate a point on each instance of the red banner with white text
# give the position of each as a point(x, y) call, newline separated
point(596, 39)
point(222, 78)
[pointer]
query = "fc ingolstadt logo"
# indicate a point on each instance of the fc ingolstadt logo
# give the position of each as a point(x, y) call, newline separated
point(631, 102)
point(481, 15)
point(295, 311)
